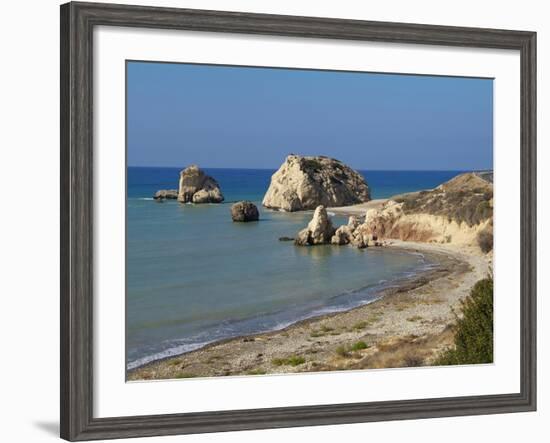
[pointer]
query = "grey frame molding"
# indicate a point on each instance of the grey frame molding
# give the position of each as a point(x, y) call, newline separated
point(77, 24)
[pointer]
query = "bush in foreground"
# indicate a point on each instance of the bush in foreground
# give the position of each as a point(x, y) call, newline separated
point(473, 342)
point(485, 240)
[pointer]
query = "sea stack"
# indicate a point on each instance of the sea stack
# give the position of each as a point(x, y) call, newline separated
point(319, 230)
point(307, 182)
point(197, 187)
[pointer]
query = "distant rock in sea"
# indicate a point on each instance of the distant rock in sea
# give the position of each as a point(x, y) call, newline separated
point(170, 194)
point(319, 230)
point(307, 182)
point(197, 187)
point(244, 211)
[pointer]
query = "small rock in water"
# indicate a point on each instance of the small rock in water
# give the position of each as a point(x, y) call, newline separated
point(244, 211)
point(166, 194)
point(286, 238)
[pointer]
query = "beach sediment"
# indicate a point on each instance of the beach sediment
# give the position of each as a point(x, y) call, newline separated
point(408, 325)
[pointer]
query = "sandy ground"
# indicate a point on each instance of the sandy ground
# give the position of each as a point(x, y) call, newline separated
point(359, 209)
point(408, 325)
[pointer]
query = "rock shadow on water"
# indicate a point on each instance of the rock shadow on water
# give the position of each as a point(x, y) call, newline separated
point(319, 252)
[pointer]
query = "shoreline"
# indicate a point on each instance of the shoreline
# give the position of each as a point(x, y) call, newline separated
point(414, 314)
point(379, 290)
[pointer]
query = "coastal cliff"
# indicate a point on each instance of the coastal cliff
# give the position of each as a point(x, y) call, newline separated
point(459, 211)
point(307, 182)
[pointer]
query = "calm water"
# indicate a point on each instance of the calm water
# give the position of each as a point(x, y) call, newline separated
point(194, 276)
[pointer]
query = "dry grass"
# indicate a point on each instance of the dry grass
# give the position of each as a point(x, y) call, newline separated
point(408, 351)
point(466, 198)
point(290, 361)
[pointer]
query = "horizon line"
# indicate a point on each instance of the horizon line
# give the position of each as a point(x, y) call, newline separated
point(358, 169)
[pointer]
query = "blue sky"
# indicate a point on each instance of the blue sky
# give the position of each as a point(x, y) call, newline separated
point(241, 117)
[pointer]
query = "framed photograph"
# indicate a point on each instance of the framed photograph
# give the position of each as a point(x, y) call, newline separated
point(272, 221)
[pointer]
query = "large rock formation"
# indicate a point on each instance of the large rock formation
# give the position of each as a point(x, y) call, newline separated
point(170, 194)
point(307, 182)
point(318, 231)
point(459, 211)
point(244, 211)
point(197, 187)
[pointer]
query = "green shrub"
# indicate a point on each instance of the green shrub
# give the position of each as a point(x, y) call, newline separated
point(296, 361)
point(360, 325)
point(473, 342)
point(345, 351)
point(485, 240)
point(359, 345)
point(278, 361)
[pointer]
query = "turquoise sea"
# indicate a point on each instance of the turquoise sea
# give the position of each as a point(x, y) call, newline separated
point(194, 277)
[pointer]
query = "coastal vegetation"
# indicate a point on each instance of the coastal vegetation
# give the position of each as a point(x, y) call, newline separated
point(290, 361)
point(467, 198)
point(348, 350)
point(473, 339)
point(485, 239)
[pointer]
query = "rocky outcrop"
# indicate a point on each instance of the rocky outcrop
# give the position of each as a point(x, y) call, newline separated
point(307, 182)
point(319, 230)
point(344, 234)
point(244, 211)
point(459, 211)
point(169, 194)
point(197, 187)
point(354, 233)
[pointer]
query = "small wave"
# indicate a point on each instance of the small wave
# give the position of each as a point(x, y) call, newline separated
point(145, 198)
point(332, 214)
point(167, 353)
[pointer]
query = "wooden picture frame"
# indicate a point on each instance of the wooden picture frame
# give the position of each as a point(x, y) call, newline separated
point(77, 23)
